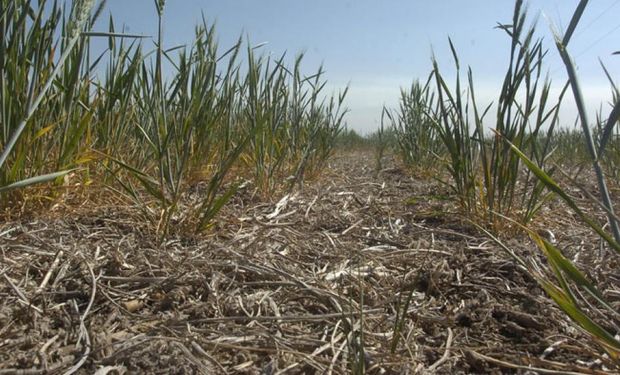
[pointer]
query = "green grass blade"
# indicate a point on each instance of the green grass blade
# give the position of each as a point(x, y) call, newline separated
point(151, 186)
point(579, 317)
point(113, 35)
point(215, 206)
point(574, 21)
point(34, 180)
point(554, 187)
point(568, 269)
point(84, 7)
point(608, 128)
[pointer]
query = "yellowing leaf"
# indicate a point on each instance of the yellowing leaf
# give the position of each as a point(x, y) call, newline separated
point(44, 131)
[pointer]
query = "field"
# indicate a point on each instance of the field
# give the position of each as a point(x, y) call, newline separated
point(291, 285)
point(200, 210)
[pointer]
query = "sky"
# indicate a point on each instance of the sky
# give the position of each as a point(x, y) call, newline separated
point(378, 47)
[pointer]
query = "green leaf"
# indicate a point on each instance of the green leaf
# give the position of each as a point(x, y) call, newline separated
point(567, 267)
point(215, 207)
point(151, 186)
point(554, 187)
point(34, 180)
point(114, 35)
point(578, 316)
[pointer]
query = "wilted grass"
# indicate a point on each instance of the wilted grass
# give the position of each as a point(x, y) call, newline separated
point(147, 122)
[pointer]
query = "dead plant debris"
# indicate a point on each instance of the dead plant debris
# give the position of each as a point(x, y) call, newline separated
point(357, 268)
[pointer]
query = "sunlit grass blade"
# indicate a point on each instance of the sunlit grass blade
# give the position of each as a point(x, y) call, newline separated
point(554, 187)
point(582, 319)
point(568, 269)
point(34, 180)
point(562, 294)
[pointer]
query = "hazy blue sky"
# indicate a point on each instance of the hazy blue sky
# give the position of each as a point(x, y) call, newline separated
point(378, 46)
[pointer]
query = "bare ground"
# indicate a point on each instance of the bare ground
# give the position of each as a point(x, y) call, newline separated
point(358, 268)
